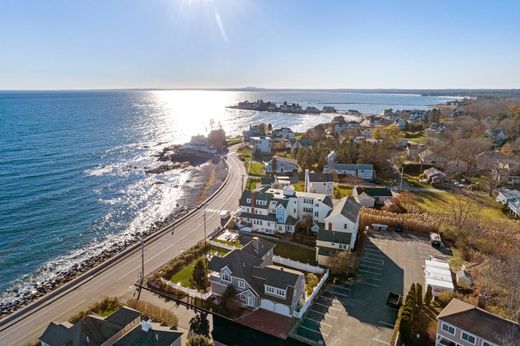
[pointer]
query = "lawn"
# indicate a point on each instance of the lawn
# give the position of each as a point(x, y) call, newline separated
point(440, 202)
point(227, 242)
point(251, 184)
point(295, 252)
point(257, 168)
point(183, 276)
point(341, 191)
point(245, 153)
point(232, 140)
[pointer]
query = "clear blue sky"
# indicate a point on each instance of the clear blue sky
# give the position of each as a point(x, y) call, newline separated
point(63, 44)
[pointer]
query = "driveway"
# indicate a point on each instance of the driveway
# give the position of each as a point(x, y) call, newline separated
point(355, 313)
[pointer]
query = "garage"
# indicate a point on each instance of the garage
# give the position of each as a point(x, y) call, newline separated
point(282, 309)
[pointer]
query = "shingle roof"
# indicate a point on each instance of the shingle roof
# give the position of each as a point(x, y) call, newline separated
point(374, 191)
point(325, 251)
point(477, 321)
point(347, 207)
point(334, 236)
point(123, 316)
point(157, 335)
point(353, 166)
point(57, 334)
point(268, 217)
point(320, 177)
point(259, 195)
point(93, 330)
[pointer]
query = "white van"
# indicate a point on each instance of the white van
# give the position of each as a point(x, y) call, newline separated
point(224, 214)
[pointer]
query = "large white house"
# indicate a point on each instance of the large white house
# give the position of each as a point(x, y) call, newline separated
point(283, 132)
point(261, 144)
point(319, 183)
point(259, 283)
point(340, 231)
point(363, 171)
point(370, 196)
point(270, 210)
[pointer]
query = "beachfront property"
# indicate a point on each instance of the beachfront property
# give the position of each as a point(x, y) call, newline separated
point(340, 231)
point(124, 327)
point(281, 165)
point(254, 131)
point(461, 323)
point(363, 171)
point(261, 144)
point(259, 283)
point(322, 183)
point(369, 197)
point(283, 132)
point(199, 144)
point(269, 210)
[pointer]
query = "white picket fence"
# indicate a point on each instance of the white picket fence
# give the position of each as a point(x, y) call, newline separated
point(188, 291)
point(310, 299)
point(298, 265)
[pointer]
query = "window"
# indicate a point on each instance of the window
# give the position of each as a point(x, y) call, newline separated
point(226, 277)
point(345, 226)
point(468, 337)
point(487, 343)
point(316, 213)
point(448, 329)
point(249, 200)
point(241, 284)
point(243, 297)
point(275, 291)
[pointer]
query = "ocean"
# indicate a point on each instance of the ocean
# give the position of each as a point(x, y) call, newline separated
point(72, 180)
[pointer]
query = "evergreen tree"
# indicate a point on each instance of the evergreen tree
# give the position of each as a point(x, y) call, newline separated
point(428, 296)
point(199, 277)
point(200, 324)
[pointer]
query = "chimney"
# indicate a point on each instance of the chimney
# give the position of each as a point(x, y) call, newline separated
point(482, 300)
point(255, 244)
point(307, 180)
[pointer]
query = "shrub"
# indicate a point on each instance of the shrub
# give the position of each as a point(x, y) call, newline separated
point(428, 296)
point(199, 340)
point(311, 281)
point(199, 324)
point(199, 276)
point(103, 308)
point(444, 298)
point(155, 312)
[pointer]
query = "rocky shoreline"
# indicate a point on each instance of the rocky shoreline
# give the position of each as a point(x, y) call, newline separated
point(197, 182)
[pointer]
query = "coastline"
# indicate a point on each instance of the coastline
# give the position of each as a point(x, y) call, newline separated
point(191, 193)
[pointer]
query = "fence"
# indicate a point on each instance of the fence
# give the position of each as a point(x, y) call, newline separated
point(191, 292)
point(298, 265)
point(308, 302)
point(222, 245)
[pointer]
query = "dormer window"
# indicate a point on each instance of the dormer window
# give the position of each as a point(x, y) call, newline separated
point(249, 200)
point(275, 291)
point(241, 284)
point(226, 277)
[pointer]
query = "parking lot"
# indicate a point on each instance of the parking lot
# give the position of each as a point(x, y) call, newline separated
point(355, 313)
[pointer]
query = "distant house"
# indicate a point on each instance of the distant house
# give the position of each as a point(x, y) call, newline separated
point(199, 144)
point(124, 327)
point(506, 195)
point(428, 157)
point(401, 123)
point(302, 143)
point(371, 196)
point(329, 109)
point(319, 183)
point(461, 323)
point(312, 110)
point(360, 170)
point(435, 129)
point(281, 165)
point(254, 131)
point(507, 165)
point(434, 176)
point(261, 144)
point(340, 230)
point(283, 132)
point(259, 283)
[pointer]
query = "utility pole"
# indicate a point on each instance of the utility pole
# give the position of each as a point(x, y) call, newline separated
point(141, 279)
point(243, 176)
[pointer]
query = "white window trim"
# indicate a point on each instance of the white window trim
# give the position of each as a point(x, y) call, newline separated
point(469, 334)
point(488, 342)
point(230, 278)
point(448, 325)
point(275, 291)
point(241, 284)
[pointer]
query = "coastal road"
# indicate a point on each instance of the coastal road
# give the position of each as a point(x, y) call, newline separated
point(118, 279)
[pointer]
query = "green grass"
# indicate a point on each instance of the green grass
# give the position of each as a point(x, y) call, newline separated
point(220, 251)
point(341, 191)
point(232, 140)
point(245, 153)
point(295, 253)
point(440, 202)
point(251, 184)
point(257, 168)
point(183, 276)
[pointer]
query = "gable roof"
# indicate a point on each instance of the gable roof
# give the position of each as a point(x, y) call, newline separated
point(290, 162)
point(320, 177)
point(157, 335)
point(347, 207)
point(477, 321)
point(374, 191)
point(123, 316)
point(57, 334)
point(354, 166)
point(334, 237)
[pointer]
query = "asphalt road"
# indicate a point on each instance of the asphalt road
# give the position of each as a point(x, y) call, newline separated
point(118, 279)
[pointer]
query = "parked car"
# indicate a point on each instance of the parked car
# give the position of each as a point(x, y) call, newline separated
point(398, 228)
point(435, 239)
point(224, 214)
